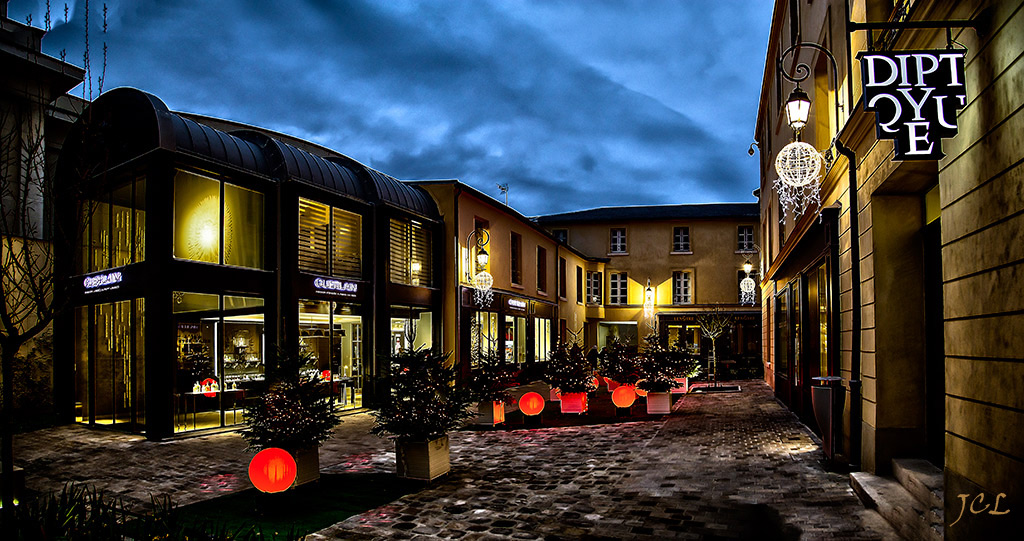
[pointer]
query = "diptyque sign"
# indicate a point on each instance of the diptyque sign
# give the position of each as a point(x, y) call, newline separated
point(915, 96)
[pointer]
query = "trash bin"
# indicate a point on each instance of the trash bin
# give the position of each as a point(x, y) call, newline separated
point(826, 399)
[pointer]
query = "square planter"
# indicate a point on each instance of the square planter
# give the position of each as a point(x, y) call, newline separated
point(684, 386)
point(659, 403)
point(490, 413)
point(423, 460)
point(307, 466)
point(574, 402)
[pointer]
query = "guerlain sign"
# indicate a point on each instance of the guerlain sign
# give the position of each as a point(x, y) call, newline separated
point(102, 282)
point(915, 96)
point(336, 287)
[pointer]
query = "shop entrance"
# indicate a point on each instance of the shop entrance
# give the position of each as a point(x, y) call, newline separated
point(221, 350)
point(331, 334)
point(110, 364)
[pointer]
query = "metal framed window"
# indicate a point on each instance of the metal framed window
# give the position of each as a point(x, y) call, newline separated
point(618, 240)
point(682, 287)
point(745, 238)
point(516, 258)
point(542, 269)
point(594, 287)
point(411, 260)
point(681, 239)
point(619, 288)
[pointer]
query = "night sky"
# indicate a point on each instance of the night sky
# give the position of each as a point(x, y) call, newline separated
point(575, 104)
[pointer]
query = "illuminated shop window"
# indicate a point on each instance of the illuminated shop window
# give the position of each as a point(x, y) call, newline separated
point(208, 210)
point(113, 230)
point(541, 339)
point(410, 253)
point(330, 240)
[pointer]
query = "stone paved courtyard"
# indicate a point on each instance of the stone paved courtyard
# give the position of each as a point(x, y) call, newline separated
point(720, 466)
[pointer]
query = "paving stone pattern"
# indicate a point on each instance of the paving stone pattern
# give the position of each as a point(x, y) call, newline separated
point(726, 466)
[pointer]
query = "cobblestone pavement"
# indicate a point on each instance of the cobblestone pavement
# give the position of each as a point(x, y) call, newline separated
point(726, 466)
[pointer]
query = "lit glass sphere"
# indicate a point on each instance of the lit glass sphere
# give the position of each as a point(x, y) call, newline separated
point(747, 285)
point(483, 281)
point(798, 164)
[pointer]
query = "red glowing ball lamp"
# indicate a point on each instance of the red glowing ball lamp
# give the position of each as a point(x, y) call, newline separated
point(531, 403)
point(272, 470)
point(623, 396)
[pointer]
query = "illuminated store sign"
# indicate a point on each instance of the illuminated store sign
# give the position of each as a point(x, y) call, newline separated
point(517, 304)
point(915, 96)
point(336, 287)
point(102, 282)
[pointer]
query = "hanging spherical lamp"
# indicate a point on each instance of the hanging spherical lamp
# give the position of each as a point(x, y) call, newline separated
point(798, 164)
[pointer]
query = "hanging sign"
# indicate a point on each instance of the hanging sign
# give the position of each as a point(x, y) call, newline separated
point(915, 96)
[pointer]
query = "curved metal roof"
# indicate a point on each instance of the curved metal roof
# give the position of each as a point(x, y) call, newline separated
point(391, 190)
point(125, 123)
point(294, 163)
point(193, 137)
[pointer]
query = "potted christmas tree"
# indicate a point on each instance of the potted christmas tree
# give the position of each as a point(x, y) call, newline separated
point(424, 405)
point(490, 381)
point(294, 414)
point(658, 366)
point(570, 373)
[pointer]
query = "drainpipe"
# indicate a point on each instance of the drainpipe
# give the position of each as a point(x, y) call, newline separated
point(856, 413)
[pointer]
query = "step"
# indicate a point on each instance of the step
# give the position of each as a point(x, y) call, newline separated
point(923, 480)
point(909, 517)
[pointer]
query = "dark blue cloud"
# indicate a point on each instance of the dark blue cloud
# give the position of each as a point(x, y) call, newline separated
point(600, 103)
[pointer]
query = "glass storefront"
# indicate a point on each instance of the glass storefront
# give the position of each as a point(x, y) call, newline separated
point(221, 355)
point(624, 333)
point(483, 337)
point(110, 364)
point(541, 339)
point(411, 328)
point(331, 333)
point(114, 228)
point(515, 339)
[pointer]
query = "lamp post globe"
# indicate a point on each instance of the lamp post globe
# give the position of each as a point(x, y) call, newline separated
point(798, 108)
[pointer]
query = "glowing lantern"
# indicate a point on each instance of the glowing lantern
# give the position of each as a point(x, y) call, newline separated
point(624, 396)
point(209, 387)
point(272, 470)
point(531, 403)
point(638, 390)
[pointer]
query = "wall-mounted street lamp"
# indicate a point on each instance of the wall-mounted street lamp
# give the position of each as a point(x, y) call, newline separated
point(649, 305)
point(747, 284)
point(798, 109)
point(482, 280)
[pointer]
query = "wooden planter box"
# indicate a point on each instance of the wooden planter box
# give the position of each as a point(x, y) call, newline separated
point(659, 403)
point(574, 403)
point(307, 466)
point(490, 413)
point(423, 460)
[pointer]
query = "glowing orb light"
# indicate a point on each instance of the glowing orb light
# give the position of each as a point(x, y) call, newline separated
point(623, 396)
point(531, 403)
point(272, 470)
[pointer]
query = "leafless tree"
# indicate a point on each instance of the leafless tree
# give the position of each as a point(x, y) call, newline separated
point(712, 325)
point(28, 234)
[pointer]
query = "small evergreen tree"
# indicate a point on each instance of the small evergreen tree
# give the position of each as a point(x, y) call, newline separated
point(425, 403)
point(618, 365)
point(569, 371)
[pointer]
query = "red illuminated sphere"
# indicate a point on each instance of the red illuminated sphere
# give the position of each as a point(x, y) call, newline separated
point(531, 403)
point(623, 396)
point(272, 470)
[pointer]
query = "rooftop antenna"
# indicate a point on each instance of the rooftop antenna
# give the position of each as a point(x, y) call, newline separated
point(504, 190)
